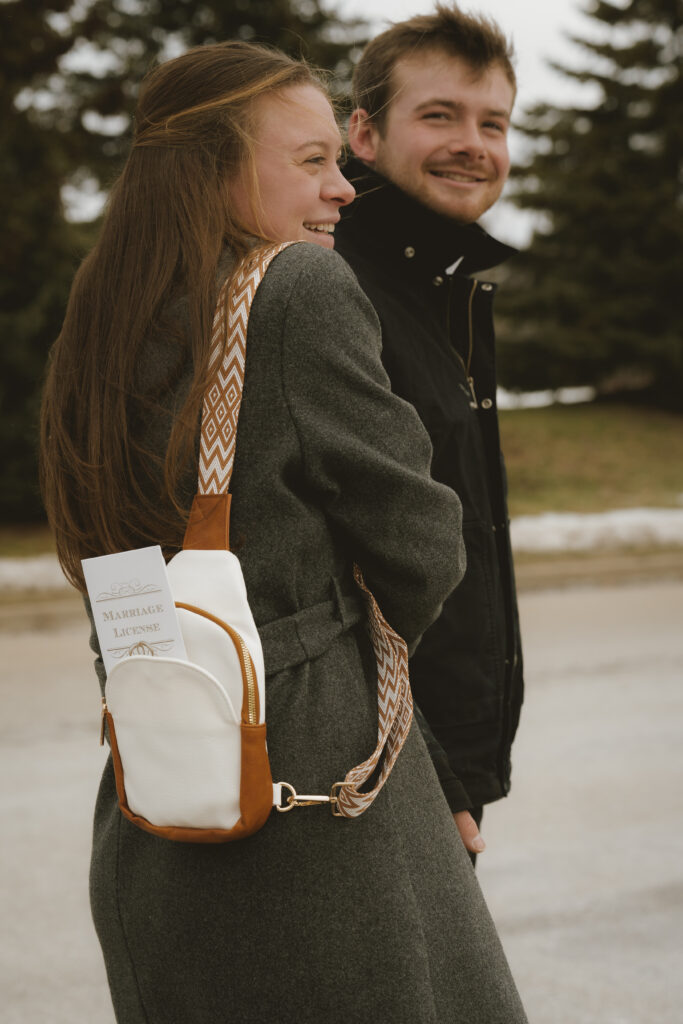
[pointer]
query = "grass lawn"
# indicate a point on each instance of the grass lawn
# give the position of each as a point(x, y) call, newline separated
point(19, 541)
point(589, 458)
point(564, 458)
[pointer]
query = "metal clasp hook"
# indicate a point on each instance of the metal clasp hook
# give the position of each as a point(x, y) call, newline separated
point(295, 799)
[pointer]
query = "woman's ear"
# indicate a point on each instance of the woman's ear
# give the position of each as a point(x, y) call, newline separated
point(363, 136)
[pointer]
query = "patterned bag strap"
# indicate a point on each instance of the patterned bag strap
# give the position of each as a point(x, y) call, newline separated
point(216, 459)
point(394, 709)
point(223, 397)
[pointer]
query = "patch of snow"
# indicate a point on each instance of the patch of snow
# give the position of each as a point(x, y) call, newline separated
point(551, 532)
point(572, 531)
point(42, 572)
point(538, 399)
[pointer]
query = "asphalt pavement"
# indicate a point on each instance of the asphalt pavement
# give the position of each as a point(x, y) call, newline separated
point(584, 866)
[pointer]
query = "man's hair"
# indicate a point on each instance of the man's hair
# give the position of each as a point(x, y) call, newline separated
point(473, 38)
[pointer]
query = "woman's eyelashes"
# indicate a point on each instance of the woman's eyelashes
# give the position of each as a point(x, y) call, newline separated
point(321, 159)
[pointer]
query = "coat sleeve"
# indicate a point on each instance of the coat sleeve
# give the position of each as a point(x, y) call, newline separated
point(365, 452)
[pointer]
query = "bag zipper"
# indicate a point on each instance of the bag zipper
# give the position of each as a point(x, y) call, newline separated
point(247, 666)
point(251, 681)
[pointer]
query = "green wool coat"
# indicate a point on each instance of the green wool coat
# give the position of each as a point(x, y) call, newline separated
point(377, 920)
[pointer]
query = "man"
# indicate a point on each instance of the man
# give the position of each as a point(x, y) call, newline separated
point(433, 97)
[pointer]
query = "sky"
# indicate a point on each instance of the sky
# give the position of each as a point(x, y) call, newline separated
point(539, 32)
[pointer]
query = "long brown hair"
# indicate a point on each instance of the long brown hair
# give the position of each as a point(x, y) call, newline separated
point(168, 218)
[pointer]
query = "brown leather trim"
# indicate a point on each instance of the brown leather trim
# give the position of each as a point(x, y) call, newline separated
point(256, 781)
point(116, 758)
point(208, 528)
point(235, 637)
point(256, 793)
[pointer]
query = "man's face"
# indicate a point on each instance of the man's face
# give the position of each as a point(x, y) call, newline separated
point(444, 138)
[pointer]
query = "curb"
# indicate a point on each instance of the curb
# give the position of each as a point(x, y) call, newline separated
point(604, 569)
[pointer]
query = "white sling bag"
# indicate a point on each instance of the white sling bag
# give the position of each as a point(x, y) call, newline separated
point(188, 738)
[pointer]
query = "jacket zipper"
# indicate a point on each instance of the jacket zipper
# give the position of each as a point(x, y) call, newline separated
point(470, 343)
point(470, 348)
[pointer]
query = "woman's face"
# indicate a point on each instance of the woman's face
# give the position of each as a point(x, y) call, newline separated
point(297, 146)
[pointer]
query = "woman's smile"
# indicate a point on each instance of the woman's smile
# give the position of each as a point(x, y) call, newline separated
point(300, 185)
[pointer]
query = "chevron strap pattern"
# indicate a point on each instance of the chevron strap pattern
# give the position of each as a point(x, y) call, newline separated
point(224, 395)
point(220, 414)
point(394, 709)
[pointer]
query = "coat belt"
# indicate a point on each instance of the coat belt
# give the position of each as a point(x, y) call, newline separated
point(308, 633)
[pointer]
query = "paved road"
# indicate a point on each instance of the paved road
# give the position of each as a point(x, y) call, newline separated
point(585, 862)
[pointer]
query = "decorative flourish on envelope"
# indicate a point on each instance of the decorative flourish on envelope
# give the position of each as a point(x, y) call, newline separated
point(141, 647)
point(133, 610)
point(131, 588)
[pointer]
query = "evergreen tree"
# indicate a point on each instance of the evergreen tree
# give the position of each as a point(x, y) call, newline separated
point(69, 71)
point(37, 252)
point(594, 299)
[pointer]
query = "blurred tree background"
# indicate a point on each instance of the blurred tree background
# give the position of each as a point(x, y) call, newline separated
point(69, 71)
point(595, 299)
point(592, 300)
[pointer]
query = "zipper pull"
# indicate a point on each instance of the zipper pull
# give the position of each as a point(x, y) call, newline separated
point(473, 404)
point(103, 721)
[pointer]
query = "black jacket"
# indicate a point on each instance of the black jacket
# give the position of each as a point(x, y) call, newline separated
point(439, 351)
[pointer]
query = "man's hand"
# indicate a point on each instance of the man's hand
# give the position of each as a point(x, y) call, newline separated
point(469, 832)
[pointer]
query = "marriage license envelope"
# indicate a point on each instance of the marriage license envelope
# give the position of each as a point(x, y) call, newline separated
point(132, 605)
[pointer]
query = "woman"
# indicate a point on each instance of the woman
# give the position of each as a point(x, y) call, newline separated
point(313, 917)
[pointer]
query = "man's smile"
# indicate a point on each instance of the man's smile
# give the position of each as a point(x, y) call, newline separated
point(458, 176)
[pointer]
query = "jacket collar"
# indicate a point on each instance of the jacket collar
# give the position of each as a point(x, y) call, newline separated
point(391, 223)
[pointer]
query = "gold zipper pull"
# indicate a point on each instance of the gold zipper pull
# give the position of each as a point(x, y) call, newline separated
point(473, 404)
point(103, 721)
